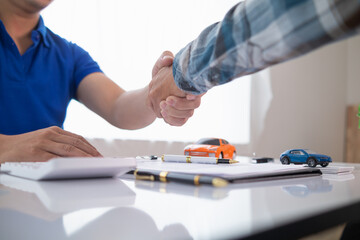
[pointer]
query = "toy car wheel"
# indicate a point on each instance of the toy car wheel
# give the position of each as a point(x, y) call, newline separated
point(285, 160)
point(221, 155)
point(311, 162)
point(234, 155)
point(324, 164)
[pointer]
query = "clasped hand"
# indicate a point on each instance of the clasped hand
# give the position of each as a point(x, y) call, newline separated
point(165, 98)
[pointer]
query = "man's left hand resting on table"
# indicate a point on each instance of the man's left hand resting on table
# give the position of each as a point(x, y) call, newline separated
point(44, 144)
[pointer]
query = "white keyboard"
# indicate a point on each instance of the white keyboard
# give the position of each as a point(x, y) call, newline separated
point(70, 168)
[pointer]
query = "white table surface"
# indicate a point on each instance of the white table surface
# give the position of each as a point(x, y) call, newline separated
point(131, 209)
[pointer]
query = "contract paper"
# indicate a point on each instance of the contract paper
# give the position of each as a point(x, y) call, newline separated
point(232, 172)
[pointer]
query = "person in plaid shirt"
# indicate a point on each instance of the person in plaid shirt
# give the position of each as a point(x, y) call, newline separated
point(253, 35)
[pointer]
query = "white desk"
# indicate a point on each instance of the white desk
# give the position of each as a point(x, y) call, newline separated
point(128, 209)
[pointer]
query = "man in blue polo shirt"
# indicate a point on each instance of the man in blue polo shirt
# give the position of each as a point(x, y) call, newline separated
point(40, 73)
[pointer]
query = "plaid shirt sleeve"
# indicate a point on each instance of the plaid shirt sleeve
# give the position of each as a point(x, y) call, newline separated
point(258, 33)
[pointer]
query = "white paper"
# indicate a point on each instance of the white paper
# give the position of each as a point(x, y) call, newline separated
point(337, 169)
point(237, 170)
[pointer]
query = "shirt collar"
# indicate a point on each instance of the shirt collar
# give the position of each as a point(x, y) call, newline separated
point(42, 30)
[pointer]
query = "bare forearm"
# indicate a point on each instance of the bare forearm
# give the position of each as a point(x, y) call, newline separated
point(123, 109)
point(130, 110)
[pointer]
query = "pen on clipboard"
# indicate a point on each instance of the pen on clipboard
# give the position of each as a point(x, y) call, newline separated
point(192, 159)
point(165, 176)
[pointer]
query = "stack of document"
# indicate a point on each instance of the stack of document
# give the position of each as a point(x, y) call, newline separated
point(239, 172)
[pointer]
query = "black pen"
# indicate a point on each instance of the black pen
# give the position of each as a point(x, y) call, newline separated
point(165, 176)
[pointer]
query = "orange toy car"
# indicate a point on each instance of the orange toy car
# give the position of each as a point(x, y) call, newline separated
point(211, 147)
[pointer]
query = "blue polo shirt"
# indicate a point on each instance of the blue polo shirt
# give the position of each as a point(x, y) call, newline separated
point(36, 87)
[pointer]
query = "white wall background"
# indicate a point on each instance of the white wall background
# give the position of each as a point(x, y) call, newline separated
point(353, 70)
point(302, 103)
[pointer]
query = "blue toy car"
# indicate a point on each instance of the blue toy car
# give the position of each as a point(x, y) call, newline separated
point(304, 156)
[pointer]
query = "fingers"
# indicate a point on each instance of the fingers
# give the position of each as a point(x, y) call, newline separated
point(176, 110)
point(167, 110)
point(183, 103)
point(81, 141)
point(43, 157)
point(176, 118)
point(65, 150)
point(66, 144)
point(190, 97)
point(165, 60)
point(177, 122)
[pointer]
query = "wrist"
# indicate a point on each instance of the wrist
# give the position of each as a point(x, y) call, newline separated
point(149, 111)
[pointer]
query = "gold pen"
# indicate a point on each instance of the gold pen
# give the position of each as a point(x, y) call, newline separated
point(165, 176)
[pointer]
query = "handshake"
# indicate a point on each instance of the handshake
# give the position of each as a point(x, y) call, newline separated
point(165, 99)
